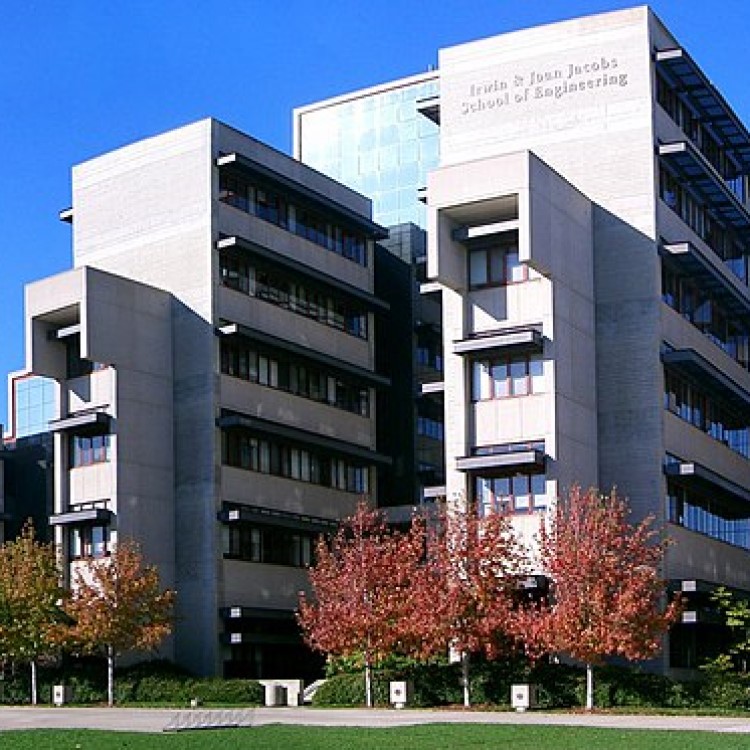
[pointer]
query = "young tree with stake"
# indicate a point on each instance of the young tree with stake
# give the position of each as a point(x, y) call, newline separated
point(465, 593)
point(31, 595)
point(117, 605)
point(607, 597)
point(360, 591)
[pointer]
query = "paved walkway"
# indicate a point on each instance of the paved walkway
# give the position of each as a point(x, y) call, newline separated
point(159, 720)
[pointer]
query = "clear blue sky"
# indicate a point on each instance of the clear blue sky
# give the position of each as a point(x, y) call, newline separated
point(81, 77)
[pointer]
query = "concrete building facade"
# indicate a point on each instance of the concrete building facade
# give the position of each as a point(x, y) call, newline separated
point(383, 142)
point(588, 232)
point(214, 346)
point(581, 247)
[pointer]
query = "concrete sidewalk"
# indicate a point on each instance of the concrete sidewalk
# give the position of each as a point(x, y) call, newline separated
point(159, 720)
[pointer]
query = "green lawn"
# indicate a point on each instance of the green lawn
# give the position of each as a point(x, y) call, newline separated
point(402, 738)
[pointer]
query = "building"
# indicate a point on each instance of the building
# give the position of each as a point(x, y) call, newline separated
point(26, 456)
point(214, 349)
point(377, 142)
point(589, 231)
point(383, 142)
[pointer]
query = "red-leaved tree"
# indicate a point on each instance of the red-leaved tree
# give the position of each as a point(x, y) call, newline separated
point(607, 596)
point(464, 595)
point(360, 591)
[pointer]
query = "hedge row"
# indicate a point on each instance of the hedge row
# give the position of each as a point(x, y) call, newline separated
point(559, 686)
point(148, 682)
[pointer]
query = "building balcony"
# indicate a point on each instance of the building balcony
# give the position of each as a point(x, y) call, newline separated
point(94, 422)
point(261, 516)
point(274, 430)
point(298, 330)
point(304, 266)
point(711, 274)
point(708, 482)
point(298, 191)
point(692, 444)
point(695, 368)
point(504, 458)
point(97, 516)
point(313, 356)
point(684, 75)
point(693, 168)
point(516, 339)
point(286, 495)
point(245, 624)
point(296, 412)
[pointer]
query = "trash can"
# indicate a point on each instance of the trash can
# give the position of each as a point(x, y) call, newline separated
point(400, 693)
point(61, 694)
point(275, 695)
point(523, 697)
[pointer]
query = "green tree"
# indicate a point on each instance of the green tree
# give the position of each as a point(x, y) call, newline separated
point(31, 596)
point(736, 613)
point(117, 605)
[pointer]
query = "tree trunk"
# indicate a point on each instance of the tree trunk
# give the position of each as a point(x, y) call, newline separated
point(110, 676)
point(589, 687)
point(465, 678)
point(368, 684)
point(34, 691)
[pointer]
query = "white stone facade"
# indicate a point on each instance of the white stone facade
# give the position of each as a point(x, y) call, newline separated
point(214, 345)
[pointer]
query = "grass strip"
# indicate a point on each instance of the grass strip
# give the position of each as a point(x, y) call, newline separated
point(432, 736)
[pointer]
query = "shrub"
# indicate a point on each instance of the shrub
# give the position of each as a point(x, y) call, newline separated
point(84, 689)
point(723, 687)
point(227, 691)
point(559, 685)
point(164, 682)
point(684, 695)
point(341, 690)
point(145, 682)
point(436, 684)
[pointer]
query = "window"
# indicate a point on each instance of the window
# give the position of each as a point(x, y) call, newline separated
point(270, 545)
point(277, 288)
point(431, 428)
point(313, 227)
point(234, 192)
point(706, 313)
point(88, 541)
point(703, 411)
point(85, 451)
point(241, 359)
point(491, 265)
point(519, 493)
point(709, 514)
point(271, 206)
point(34, 402)
point(244, 450)
point(506, 376)
point(267, 203)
